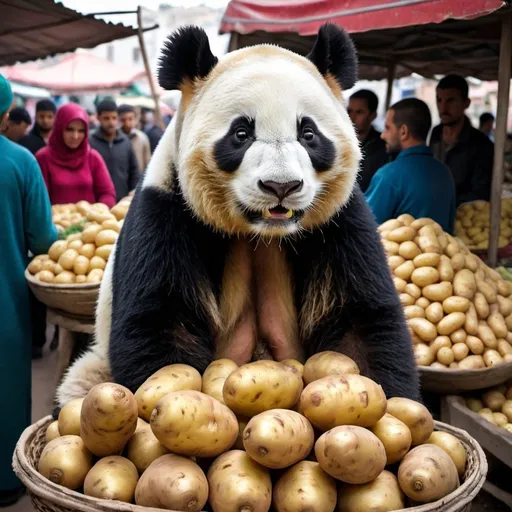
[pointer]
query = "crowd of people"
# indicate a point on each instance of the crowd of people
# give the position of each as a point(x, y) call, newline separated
point(406, 171)
point(70, 154)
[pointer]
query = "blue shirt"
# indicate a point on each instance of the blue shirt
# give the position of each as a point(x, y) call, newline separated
point(415, 183)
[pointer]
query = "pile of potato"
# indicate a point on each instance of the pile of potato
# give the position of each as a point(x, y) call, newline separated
point(495, 405)
point(472, 224)
point(318, 437)
point(121, 209)
point(459, 310)
point(66, 215)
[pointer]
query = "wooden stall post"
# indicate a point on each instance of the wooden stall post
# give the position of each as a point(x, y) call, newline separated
point(158, 115)
point(504, 75)
point(391, 79)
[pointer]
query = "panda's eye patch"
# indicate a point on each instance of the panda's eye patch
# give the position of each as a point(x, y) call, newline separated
point(321, 150)
point(229, 151)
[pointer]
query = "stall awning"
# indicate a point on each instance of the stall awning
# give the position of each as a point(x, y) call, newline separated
point(424, 36)
point(34, 29)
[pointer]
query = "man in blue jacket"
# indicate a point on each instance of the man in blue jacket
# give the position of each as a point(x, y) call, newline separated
point(415, 182)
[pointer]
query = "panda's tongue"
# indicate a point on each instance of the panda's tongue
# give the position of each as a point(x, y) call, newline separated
point(278, 212)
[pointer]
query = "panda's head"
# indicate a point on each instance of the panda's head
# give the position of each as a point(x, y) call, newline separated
point(262, 142)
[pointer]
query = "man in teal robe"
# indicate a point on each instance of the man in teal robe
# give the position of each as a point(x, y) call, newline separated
point(25, 225)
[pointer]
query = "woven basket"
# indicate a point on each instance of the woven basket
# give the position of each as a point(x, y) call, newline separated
point(49, 497)
point(457, 381)
point(78, 300)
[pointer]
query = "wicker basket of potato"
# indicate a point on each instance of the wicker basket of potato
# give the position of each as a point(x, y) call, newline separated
point(458, 309)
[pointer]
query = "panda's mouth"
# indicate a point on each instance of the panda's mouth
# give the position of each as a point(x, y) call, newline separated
point(278, 214)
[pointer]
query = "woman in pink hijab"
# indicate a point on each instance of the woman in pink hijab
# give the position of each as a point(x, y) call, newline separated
point(72, 170)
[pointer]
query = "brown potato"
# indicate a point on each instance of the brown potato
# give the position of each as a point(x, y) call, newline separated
point(487, 290)
point(475, 345)
point(95, 275)
point(144, 448)
point(305, 486)
point(400, 284)
point(428, 259)
point(343, 400)
point(394, 435)
point(456, 304)
point(413, 290)
point(69, 418)
point(351, 454)
point(451, 323)
point(414, 312)
point(395, 261)
point(427, 473)
point(504, 347)
point(278, 438)
point(260, 386)
point(422, 302)
point(87, 250)
point(487, 414)
point(434, 313)
point(401, 234)
point(472, 363)
point(194, 424)
point(238, 482)
point(481, 306)
point(445, 356)
point(52, 432)
point(65, 461)
point(493, 399)
point(173, 482)
point(424, 276)
point(423, 354)
point(492, 358)
point(505, 306)
point(380, 495)
point(112, 478)
point(487, 336)
point(108, 418)
point(406, 299)
point(408, 250)
point(328, 363)
point(438, 292)
point(295, 364)
point(415, 415)
point(390, 247)
point(389, 225)
point(214, 377)
point(445, 269)
point(497, 323)
point(104, 251)
point(460, 351)
point(500, 419)
point(81, 265)
point(458, 262)
point(405, 270)
point(506, 409)
point(423, 328)
point(452, 446)
point(471, 325)
point(458, 336)
point(474, 404)
point(464, 284)
point(174, 377)
point(438, 343)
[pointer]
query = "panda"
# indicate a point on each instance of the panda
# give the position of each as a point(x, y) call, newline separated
point(248, 236)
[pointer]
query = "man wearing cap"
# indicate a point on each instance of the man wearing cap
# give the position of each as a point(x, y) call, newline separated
point(38, 137)
point(25, 226)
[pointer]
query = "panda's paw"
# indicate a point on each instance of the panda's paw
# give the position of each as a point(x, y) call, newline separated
point(88, 371)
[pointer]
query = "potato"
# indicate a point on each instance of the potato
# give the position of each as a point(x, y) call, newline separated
point(422, 302)
point(56, 249)
point(414, 312)
point(497, 323)
point(260, 386)
point(419, 223)
point(400, 284)
point(434, 313)
point(426, 260)
point(492, 358)
point(445, 356)
point(429, 244)
point(215, 375)
point(499, 419)
point(423, 328)
point(438, 343)
point(65, 461)
point(445, 269)
point(328, 363)
point(294, 363)
point(460, 351)
point(194, 424)
point(408, 250)
point(390, 247)
point(69, 418)
point(504, 347)
point(278, 438)
point(401, 234)
point(351, 454)
point(89, 233)
point(487, 414)
point(458, 261)
point(471, 325)
point(104, 251)
point(67, 259)
point(174, 377)
point(413, 290)
point(112, 478)
point(108, 418)
point(405, 270)
point(415, 415)
point(76, 244)
point(504, 288)
point(106, 236)
point(458, 336)
point(96, 262)
point(394, 435)
point(452, 446)
point(456, 304)
point(487, 336)
point(406, 299)
point(87, 250)
point(144, 448)
point(173, 482)
point(95, 275)
point(474, 404)
point(494, 400)
point(438, 292)
point(112, 224)
point(379, 495)
point(395, 261)
point(505, 305)
point(472, 363)
point(464, 284)
point(237, 482)
point(451, 323)
point(424, 276)
point(35, 266)
point(427, 473)
point(65, 277)
point(343, 400)
point(506, 409)
point(81, 265)
point(423, 354)
point(305, 486)
point(481, 306)
point(52, 432)
point(487, 290)
point(508, 427)
point(475, 345)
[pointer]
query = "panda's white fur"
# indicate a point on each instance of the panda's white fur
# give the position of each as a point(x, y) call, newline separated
point(320, 273)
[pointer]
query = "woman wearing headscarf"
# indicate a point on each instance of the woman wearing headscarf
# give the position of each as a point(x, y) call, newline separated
point(72, 170)
point(25, 225)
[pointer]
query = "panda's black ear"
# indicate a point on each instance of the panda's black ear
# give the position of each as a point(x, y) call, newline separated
point(334, 53)
point(186, 55)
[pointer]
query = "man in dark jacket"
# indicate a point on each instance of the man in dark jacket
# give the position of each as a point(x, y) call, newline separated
point(466, 151)
point(116, 150)
point(362, 109)
point(40, 133)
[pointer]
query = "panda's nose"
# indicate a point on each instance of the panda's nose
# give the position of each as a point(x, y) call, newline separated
point(281, 190)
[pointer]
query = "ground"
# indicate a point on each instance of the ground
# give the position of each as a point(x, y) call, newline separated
point(43, 382)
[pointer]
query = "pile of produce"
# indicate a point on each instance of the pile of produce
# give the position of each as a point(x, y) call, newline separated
point(316, 437)
point(472, 224)
point(495, 405)
point(65, 216)
point(459, 310)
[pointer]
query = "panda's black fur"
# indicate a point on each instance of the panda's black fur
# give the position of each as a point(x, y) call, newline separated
point(158, 317)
